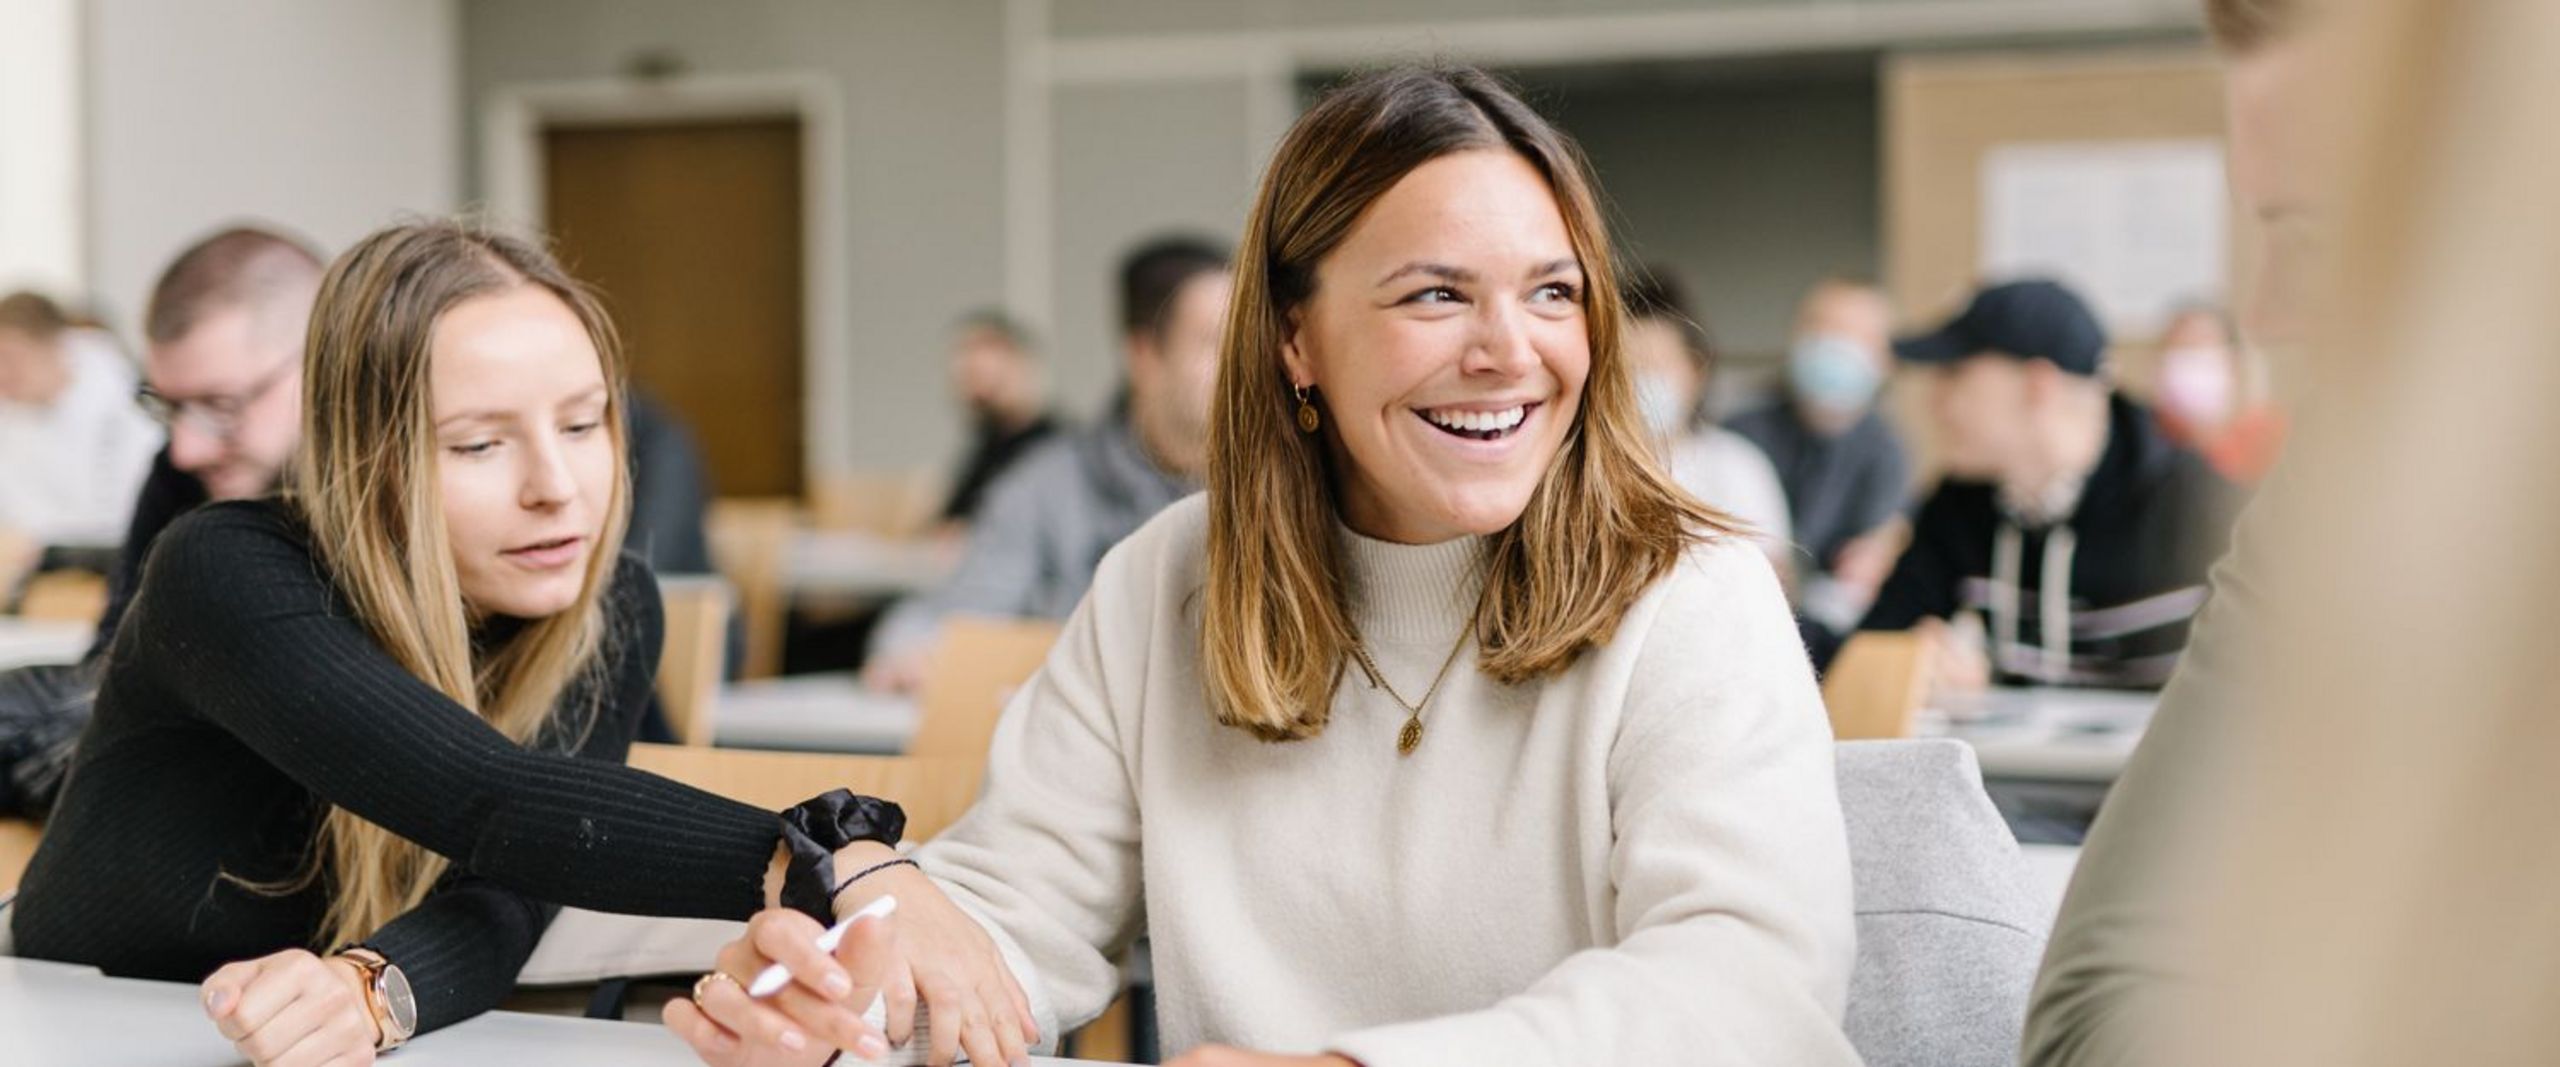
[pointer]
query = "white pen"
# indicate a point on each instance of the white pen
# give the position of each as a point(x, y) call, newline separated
point(771, 980)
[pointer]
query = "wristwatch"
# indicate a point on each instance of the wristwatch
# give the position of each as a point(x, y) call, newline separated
point(386, 992)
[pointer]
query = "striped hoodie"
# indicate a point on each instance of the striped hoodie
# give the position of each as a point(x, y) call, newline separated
point(2102, 598)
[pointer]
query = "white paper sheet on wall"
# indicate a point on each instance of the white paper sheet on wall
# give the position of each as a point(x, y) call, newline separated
point(2137, 227)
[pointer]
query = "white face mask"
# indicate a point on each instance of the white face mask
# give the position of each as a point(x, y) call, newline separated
point(1660, 403)
point(2195, 385)
point(1833, 373)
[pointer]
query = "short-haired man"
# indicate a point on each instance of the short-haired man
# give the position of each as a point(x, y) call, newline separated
point(995, 371)
point(1047, 522)
point(222, 370)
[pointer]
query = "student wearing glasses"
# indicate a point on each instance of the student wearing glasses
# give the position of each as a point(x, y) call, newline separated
point(222, 371)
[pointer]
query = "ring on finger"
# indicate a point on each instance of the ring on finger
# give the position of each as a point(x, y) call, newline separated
point(702, 985)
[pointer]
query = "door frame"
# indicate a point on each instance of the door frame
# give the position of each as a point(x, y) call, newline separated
point(512, 173)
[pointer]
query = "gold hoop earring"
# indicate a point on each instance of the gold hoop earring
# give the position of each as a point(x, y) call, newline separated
point(1308, 418)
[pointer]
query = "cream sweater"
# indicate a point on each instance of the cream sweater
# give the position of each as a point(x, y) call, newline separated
point(1640, 860)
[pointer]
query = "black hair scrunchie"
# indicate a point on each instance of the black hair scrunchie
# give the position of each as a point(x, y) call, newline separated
point(814, 829)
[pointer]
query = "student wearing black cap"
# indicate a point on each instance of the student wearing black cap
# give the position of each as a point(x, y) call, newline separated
point(2077, 533)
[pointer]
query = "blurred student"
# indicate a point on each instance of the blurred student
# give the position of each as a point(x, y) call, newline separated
point(1673, 358)
point(670, 491)
point(358, 740)
point(995, 370)
point(2212, 396)
point(2066, 523)
point(1046, 523)
point(1842, 466)
point(72, 445)
point(222, 370)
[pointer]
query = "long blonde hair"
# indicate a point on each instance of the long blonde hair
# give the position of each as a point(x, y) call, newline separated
point(365, 484)
point(1605, 520)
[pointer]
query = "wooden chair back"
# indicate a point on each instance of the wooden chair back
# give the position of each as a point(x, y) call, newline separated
point(934, 792)
point(751, 544)
point(66, 596)
point(1877, 685)
point(18, 839)
point(976, 665)
point(895, 504)
point(690, 666)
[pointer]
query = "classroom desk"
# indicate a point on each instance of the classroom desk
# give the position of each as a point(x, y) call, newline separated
point(58, 1014)
point(813, 713)
point(2048, 756)
point(30, 642)
point(842, 563)
point(2047, 734)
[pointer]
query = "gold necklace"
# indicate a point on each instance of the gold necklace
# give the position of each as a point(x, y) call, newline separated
point(1410, 737)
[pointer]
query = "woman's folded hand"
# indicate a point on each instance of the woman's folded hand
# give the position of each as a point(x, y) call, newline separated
point(291, 1009)
point(929, 950)
point(819, 1010)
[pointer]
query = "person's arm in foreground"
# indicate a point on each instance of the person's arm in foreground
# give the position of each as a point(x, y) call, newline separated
point(2126, 932)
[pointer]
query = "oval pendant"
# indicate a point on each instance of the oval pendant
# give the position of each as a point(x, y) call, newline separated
point(1308, 419)
point(1409, 738)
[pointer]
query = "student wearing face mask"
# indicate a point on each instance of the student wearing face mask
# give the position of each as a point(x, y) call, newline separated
point(1673, 360)
point(1842, 467)
point(2211, 396)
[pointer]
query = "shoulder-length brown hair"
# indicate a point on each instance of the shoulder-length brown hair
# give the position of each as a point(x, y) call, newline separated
point(365, 484)
point(1605, 520)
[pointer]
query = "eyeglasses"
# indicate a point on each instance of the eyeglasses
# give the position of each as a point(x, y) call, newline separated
point(214, 416)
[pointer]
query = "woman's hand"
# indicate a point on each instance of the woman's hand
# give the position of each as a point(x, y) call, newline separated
point(1222, 1056)
point(293, 1009)
point(973, 1001)
point(826, 997)
point(938, 954)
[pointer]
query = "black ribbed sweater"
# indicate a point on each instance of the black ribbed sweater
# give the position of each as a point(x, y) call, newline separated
point(240, 695)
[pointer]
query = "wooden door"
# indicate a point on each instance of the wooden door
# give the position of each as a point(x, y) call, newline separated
point(693, 232)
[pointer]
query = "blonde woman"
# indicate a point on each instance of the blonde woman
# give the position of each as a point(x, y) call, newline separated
point(382, 717)
point(1444, 729)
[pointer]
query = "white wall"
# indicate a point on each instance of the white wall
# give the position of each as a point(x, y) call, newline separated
point(1014, 148)
point(1747, 189)
point(40, 147)
point(330, 117)
point(921, 87)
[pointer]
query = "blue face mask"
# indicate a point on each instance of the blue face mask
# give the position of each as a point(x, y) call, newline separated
point(1833, 373)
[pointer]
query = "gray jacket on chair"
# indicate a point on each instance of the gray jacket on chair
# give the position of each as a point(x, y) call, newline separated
point(1949, 933)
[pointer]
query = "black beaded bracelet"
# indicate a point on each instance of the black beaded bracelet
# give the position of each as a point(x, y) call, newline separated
point(867, 872)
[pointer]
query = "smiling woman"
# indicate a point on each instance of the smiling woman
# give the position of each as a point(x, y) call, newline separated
point(1574, 804)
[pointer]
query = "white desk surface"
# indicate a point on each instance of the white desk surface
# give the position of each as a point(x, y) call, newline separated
point(58, 1014)
point(846, 563)
point(2050, 734)
point(813, 713)
point(29, 642)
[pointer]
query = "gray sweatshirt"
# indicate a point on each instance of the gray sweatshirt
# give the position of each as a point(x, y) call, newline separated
point(1041, 532)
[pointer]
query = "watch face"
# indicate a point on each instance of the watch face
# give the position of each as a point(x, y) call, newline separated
point(403, 1003)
